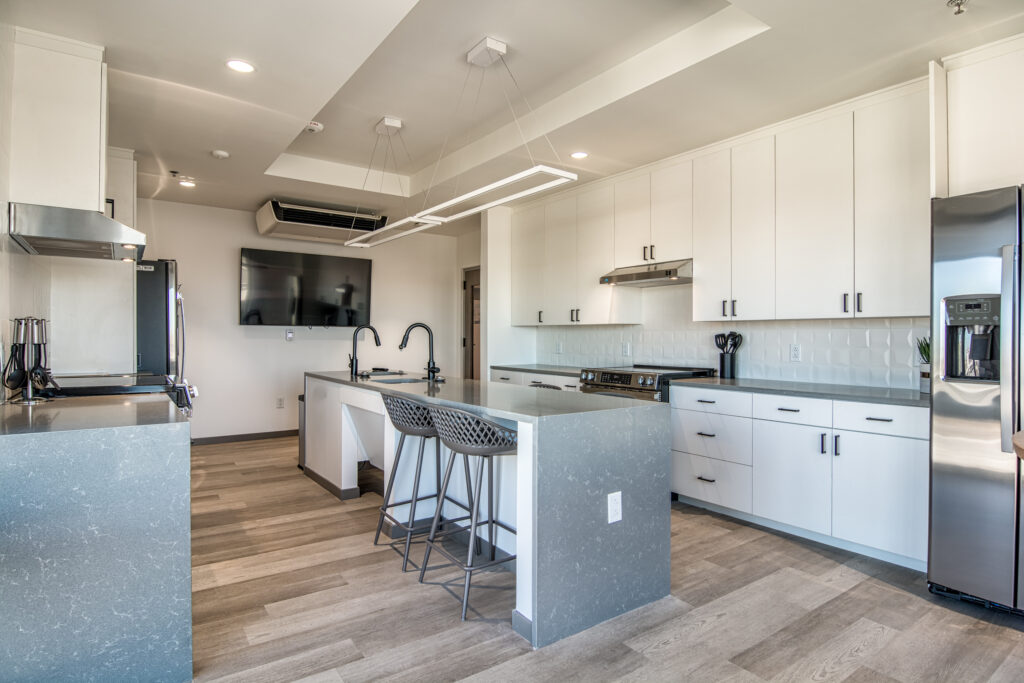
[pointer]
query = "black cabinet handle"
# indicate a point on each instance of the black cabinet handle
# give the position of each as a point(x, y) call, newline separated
point(879, 419)
point(505, 379)
point(846, 302)
point(710, 481)
point(703, 400)
point(823, 443)
point(569, 386)
point(859, 310)
point(536, 381)
point(645, 254)
point(724, 314)
point(540, 316)
point(572, 315)
point(789, 410)
point(734, 308)
point(705, 434)
point(835, 446)
point(652, 252)
point(577, 315)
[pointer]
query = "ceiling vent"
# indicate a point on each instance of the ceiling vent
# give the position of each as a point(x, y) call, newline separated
point(296, 221)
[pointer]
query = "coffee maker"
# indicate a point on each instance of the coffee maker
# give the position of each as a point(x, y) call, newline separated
point(27, 368)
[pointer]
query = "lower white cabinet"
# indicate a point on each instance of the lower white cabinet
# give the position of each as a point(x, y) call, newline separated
point(880, 492)
point(714, 481)
point(563, 382)
point(793, 474)
point(506, 376)
point(723, 437)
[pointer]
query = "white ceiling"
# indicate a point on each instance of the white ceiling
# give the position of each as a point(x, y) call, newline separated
point(629, 82)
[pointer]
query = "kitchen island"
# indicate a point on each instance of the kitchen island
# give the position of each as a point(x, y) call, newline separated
point(574, 568)
point(95, 560)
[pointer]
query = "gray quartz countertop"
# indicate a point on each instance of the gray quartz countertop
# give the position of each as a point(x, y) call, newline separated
point(89, 412)
point(495, 399)
point(837, 392)
point(541, 368)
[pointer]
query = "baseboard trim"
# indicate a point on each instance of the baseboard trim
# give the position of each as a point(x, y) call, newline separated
point(522, 625)
point(207, 440)
point(337, 492)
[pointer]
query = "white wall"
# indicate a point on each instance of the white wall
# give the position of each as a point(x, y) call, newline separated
point(500, 341)
point(241, 371)
point(867, 351)
point(985, 99)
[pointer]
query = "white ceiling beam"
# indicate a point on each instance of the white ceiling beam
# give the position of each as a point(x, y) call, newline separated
point(298, 167)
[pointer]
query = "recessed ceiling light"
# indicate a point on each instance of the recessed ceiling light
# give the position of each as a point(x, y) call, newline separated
point(187, 183)
point(241, 66)
point(579, 155)
point(129, 247)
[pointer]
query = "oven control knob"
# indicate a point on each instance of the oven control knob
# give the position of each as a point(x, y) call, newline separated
point(650, 381)
point(590, 376)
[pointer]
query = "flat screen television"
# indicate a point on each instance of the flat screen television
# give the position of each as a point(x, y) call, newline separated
point(283, 288)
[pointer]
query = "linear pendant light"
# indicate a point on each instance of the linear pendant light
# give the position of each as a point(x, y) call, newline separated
point(486, 52)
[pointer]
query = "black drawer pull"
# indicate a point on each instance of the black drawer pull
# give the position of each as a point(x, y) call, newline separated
point(705, 434)
point(571, 386)
point(879, 419)
point(822, 443)
point(536, 381)
point(790, 410)
point(835, 446)
point(703, 400)
point(505, 379)
point(710, 481)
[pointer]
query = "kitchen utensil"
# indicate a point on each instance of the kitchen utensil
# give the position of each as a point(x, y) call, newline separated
point(734, 341)
point(720, 340)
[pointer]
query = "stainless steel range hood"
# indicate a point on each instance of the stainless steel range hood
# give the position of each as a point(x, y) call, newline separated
point(58, 231)
point(652, 274)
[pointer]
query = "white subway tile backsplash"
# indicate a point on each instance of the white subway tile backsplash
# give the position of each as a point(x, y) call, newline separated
point(863, 351)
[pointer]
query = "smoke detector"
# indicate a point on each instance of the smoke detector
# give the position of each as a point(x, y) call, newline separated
point(314, 127)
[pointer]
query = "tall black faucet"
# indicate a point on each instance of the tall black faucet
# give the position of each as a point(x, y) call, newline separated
point(432, 369)
point(353, 360)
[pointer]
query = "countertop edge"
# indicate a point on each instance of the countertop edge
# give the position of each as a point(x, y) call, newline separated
point(832, 392)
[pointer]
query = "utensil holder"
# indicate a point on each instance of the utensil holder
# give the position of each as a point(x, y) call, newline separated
point(727, 365)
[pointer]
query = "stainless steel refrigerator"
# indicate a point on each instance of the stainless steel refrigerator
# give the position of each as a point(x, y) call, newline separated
point(975, 475)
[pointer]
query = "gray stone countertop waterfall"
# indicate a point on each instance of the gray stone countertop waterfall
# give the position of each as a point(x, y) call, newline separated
point(496, 399)
point(835, 392)
point(89, 412)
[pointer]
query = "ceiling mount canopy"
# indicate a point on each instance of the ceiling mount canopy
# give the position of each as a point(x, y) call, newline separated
point(538, 178)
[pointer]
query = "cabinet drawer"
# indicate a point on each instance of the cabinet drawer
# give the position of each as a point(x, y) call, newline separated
point(542, 378)
point(711, 400)
point(713, 481)
point(795, 409)
point(506, 376)
point(724, 437)
point(878, 418)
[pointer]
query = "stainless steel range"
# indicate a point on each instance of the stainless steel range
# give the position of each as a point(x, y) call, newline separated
point(643, 382)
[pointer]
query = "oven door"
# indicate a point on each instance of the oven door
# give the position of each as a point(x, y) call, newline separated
point(620, 392)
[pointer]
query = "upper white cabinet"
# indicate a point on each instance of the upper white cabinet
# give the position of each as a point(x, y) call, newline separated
point(712, 236)
point(892, 211)
point(121, 185)
point(58, 122)
point(653, 216)
point(528, 265)
point(672, 212)
point(633, 220)
point(753, 230)
point(814, 219)
point(598, 304)
point(559, 298)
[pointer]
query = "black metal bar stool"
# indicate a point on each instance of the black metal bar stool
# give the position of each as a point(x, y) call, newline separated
point(469, 434)
point(412, 418)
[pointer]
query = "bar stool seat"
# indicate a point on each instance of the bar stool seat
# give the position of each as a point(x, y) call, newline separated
point(469, 434)
point(412, 418)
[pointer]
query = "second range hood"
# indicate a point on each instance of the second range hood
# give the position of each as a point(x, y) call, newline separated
point(59, 231)
point(652, 274)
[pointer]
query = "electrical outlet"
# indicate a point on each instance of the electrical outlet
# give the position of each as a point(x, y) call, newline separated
point(558, 347)
point(280, 403)
point(626, 348)
point(795, 353)
point(289, 335)
point(615, 507)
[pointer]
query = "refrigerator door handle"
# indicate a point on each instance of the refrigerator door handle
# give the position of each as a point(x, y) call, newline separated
point(1009, 296)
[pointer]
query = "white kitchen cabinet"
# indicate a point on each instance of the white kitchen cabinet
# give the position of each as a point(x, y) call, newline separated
point(708, 400)
point(527, 266)
point(814, 219)
point(599, 304)
point(722, 437)
point(506, 376)
point(121, 185)
point(795, 409)
point(633, 220)
point(892, 210)
point(753, 230)
point(559, 278)
point(793, 474)
point(58, 122)
point(880, 492)
point(712, 237)
point(672, 212)
point(714, 481)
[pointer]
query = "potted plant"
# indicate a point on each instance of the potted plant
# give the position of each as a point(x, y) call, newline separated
point(924, 350)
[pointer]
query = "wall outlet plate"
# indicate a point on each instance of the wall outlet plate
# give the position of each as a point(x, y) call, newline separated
point(280, 403)
point(795, 353)
point(558, 347)
point(626, 350)
point(615, 507)
point(289, 335)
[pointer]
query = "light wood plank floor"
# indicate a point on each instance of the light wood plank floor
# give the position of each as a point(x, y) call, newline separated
point(287, 585)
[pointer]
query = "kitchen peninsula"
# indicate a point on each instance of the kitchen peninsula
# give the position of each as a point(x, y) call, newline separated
point(574, 568)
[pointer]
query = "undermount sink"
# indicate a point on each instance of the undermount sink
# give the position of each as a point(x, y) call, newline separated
point(399, 380)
